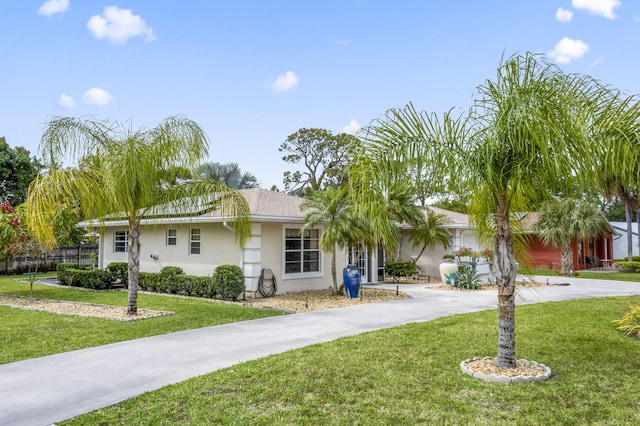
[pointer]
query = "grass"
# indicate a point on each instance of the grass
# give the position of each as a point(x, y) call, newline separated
point(29, 334)
point(411, 375)
point(614, 276)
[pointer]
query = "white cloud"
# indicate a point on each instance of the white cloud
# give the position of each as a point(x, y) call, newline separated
point(66, 101)
point(352, 127)
point(636, 18)
point(566, 50)
point(51, 7)
point(597, 7)
point(342, 42)
point(118, 25)
point(564, 15)
point(97, 96)
point(284, 82)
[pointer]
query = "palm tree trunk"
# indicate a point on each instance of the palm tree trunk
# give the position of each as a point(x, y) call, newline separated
point(134, 267)
point(566, 254)
point(504, 265)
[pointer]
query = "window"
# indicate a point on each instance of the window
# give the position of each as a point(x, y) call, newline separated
point(194, 242)
point(302, 251)
point(121, 241)
point(172, 237)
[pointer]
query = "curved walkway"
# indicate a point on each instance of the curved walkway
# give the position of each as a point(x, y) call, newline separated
point(44, 390)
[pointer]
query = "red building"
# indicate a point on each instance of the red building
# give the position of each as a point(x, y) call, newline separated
point(593, 252)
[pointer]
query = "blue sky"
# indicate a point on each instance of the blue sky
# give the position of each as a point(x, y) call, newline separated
point(251, 72)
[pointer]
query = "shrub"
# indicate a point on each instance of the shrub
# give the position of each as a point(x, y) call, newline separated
point(449, 256)
point(95, 279)
point(119, 271)
point(171, 270)
point(400, 269)
point(628, 266)
point(467, 278)
point(630, 323)
point(176, 283)
point(228, 281)
point(60, 271)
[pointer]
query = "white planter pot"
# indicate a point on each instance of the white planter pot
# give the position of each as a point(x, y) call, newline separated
point(446, 269)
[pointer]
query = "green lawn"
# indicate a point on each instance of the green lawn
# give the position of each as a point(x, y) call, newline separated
point(410, 375)
point(614, 276)
point(29, 334)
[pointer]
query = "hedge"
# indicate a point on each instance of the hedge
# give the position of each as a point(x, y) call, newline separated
point(95, 279)
point(627, 266)
point(171, 282)
point(400, 269)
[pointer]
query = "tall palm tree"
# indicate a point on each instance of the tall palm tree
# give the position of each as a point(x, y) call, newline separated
point(228, 173)
point(124, 174)
point(523, 135)
point(430, 233)
point(563, 220)
point(331, 207)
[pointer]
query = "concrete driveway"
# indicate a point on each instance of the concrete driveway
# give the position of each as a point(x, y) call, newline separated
point(44, 390)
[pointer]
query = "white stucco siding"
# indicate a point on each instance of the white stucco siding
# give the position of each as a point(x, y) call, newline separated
point(430, 260)
point(217, 247)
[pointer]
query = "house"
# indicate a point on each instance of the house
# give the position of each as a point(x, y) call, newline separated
point(620, 248)
point(201, 242)
point(596, 251)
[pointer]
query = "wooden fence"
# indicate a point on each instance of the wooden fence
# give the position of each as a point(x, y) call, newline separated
point(79, 253)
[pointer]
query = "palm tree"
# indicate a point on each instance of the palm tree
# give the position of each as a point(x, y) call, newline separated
point(563, 220)
point(430, 233)
point(124, 174)
point(520, 139)
point(331, 207)
point(230, 174)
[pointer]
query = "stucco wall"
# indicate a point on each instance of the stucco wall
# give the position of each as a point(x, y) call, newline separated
point(263, 250)
point(217, 247)
point(430, 260)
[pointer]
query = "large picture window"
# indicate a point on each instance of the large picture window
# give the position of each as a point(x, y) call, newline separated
point(302, 251)
point(194, 241)
point(121, 241)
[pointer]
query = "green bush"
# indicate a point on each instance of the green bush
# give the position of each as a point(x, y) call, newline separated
point(173, 282)
point(627, 266)
point(228, 281)
point(400, 269)
point(635, 258)
point(630, 323)
point(95, 279)
point(119, 271)
point(467, 278)
point(171, 271)
point(60, 271)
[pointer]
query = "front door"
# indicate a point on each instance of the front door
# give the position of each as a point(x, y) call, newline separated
point(358, 257)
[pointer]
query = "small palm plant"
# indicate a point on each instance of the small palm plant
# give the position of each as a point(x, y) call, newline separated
point(630, 323)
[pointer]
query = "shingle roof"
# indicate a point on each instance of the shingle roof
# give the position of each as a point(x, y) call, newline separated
point(263, 202)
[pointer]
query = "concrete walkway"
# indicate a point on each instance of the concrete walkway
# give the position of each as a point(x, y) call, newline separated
point(44, 390)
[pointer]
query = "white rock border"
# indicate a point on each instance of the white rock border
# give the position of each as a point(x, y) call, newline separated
point(505, 379)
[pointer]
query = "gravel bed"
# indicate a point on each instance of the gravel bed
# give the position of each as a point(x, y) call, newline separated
point(487, 369)
point(118, 313)
point(316, 300)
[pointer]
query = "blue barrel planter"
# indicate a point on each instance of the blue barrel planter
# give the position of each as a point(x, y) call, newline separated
point(352, 279)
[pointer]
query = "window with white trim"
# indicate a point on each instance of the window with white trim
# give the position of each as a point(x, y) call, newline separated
point(172, 237)
point(301, 251)
point(194, 241)
point(121, 241)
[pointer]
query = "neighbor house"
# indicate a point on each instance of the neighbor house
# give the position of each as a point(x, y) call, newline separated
point(591, 252)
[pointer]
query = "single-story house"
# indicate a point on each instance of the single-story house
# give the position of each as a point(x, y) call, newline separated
point(200, 242)
point(596, 251)
point(620, 248)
